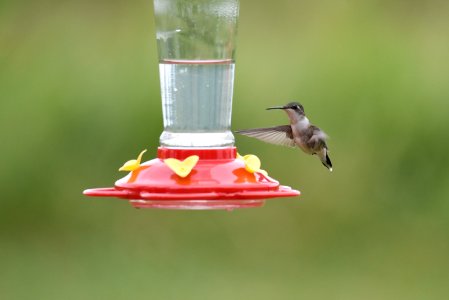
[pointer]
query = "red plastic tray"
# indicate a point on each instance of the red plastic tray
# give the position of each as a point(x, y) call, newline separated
point(218, 181)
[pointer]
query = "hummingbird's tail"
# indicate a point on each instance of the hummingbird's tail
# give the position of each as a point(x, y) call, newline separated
point(325, 160)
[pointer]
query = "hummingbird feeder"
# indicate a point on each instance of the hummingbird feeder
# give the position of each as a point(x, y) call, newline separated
point(197, 165)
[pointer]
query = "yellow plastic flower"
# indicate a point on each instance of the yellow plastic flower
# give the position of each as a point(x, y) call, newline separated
point(133, 164)
point(252, 164)
point(182, 168)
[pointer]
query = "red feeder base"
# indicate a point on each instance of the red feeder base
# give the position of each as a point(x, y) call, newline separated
point(218, 181)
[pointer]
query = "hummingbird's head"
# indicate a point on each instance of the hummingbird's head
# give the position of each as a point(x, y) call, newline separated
point(296, 107)
point(293, 109)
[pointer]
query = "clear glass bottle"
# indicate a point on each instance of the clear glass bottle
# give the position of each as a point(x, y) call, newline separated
point(196, 46)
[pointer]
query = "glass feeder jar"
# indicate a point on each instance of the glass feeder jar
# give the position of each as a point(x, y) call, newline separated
point(196, 46)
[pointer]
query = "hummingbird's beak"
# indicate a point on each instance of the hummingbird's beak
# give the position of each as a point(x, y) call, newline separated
point(276, 107)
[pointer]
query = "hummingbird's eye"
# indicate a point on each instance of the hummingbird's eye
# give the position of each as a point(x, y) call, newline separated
point(296, 106)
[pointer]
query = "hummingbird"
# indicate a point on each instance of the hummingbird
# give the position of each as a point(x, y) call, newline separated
point(299, 133)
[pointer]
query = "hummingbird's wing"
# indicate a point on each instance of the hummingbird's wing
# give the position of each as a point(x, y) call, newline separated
point(278, 135)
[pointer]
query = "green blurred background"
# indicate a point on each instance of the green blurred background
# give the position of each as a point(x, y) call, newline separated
point(79, 95)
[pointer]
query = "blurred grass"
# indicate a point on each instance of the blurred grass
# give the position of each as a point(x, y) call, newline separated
point(79, 94)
